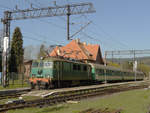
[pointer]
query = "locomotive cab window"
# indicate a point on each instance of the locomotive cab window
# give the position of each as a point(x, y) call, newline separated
point(48, 64)
point(41, 64)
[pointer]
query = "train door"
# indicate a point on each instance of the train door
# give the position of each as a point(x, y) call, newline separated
point(89, 72)
point(60, 73)
point(40, 70)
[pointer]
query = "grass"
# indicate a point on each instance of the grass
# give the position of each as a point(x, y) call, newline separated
point(31, 97)
point(16, 84)
point(137, 101)
point(3, 101)
point(26, 98)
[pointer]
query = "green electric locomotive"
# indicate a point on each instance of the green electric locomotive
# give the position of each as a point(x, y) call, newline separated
point(54, 73)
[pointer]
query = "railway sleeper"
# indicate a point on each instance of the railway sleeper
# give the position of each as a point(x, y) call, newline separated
point(78, 95)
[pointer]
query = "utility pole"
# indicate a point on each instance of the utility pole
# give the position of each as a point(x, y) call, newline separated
point(68, 22)
point(112, 57)
point(105, 72)
point(134, 64)
point(6, 48)
point(34, 13)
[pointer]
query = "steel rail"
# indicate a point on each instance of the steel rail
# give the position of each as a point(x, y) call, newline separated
point(61, 97)
point(4, 94)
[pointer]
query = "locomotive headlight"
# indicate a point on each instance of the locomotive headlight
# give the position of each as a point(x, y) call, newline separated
point(48, 75)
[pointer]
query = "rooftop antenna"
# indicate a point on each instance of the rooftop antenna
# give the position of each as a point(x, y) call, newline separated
point(16, 7)
point(31, 5)
point(55, 3)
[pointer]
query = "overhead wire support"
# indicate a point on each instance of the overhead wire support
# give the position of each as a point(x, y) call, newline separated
point(33, 13)
point(73, 9)
point(128, 52)
point(80, 29)
point(68, 22)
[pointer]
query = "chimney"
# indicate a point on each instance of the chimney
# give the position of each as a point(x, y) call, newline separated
point(78, 40)
point(84, 43)
point(58, 52)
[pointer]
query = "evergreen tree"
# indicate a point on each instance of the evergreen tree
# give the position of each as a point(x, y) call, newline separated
point(42, 52)
point(17, 51)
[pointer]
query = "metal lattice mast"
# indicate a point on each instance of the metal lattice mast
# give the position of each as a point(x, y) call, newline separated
point(34, 13)
point(72, 9)
point(5, 54)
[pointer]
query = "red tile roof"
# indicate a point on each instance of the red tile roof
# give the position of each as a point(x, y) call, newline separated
point(77, 50)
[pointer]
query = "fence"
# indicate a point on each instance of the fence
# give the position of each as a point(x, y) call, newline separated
point(17, 80)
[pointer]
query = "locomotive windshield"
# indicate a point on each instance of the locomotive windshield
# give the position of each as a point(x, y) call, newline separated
point(41, 64)
point(48, 64)
point(35, 64)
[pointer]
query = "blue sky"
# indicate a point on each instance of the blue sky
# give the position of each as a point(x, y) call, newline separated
point(116, 25)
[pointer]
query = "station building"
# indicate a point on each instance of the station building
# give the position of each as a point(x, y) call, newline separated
point(81, 51)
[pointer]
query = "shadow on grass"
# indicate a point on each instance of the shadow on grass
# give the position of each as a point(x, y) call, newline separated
point(52, 109)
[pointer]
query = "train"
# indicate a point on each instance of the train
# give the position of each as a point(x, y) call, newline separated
point(54, 73)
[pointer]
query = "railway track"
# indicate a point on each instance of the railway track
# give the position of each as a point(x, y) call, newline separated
point(5, 94)
point(63, 96)
point(100, 111)
point(10, 96)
